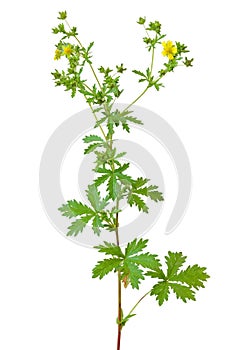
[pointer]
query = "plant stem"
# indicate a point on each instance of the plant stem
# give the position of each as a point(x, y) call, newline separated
point(119, 285)
point(145, 90)
point(96, 118)
point(90, 65)
point(138, 302)
point(133, 102)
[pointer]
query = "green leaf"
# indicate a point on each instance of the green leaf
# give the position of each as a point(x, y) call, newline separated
point(146, 260)
point(161, 290)
point(92, 138)
point(149, 192)
point(139, 182)
point(135, 247)
point(193, 276)
point(104, 267)
point(92, 148)
point(131, 272)
point(134, 120)
point(120, 155)
point(112, 186)
point(174, 261)
point(97, 224)
point(74, 208)
point(125, 319)
point(100, 180)
point(94, 197)
point(134, 199)
point(157, 273)
point(78, 226)
point(138, 72)
point(110, 249)
point(182, 292)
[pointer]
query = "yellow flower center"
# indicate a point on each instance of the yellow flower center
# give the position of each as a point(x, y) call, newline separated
point(169, 49)
point(67, 50)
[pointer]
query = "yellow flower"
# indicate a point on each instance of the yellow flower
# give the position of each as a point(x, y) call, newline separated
point(169, 49)
point(67, 50)
point(57, 55)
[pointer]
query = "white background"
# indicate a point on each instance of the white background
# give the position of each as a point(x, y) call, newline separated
point(47, 297)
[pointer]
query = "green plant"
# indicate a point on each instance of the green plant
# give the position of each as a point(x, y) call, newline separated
point(131, 264)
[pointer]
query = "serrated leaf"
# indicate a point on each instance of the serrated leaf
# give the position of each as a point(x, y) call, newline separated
point(103, 171)
point(156, 196)
point(120, 155)
point(134, 120)
point(100, 180)
point(92, 148)
point(94, 197)
point(157, 273)
point(174, 261)
point(182, 292)
point(105, 266)
point(97, 224)
point(146, 260)
point(138, 72)
point(132, 273)
point(194, 276)
point(112, 186)
point(74, 208)
point(78, 226)
point(110, 249)
point(100, 121)
point(134, 199)
point(92, 138)
point(135, 247)
point(161, 290)
point(122, 168)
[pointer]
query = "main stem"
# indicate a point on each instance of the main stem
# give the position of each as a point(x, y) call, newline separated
point(119, 286)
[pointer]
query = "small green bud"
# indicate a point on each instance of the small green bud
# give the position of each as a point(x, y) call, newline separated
point(63, 15)
point(147, 40)
point(187, 62)
point(155, 26)
point(55, 30)
point(120, 69)
point(162, 72)
point(141, 20)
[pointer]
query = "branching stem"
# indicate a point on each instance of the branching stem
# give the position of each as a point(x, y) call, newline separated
point(145, 90)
